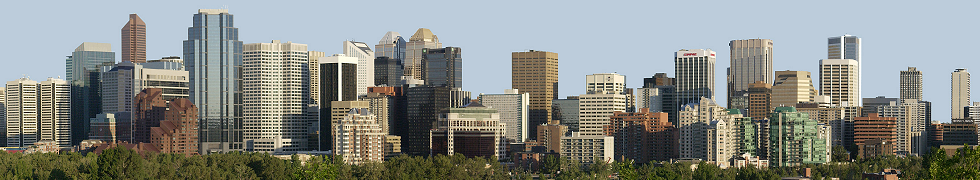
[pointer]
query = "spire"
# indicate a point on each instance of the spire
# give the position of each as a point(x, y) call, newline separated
point(424, 34)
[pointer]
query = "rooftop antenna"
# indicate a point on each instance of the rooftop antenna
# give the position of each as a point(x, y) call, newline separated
point(224, 6)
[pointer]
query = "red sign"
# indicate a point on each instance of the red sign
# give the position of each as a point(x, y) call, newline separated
point(712, 54)
point(690, 54)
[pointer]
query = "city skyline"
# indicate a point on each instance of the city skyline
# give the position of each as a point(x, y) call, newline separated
point(797, 51)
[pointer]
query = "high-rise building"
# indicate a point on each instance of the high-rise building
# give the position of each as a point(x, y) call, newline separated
point(791, 87)
point(392, 45)
point(359, 138)
point(513, 112)
point(840, 79)
point(176, 133)
point(422, 39)
point(751, 61)
point(213, 57)
point(424, 105)
point(82, 69)
point(796, 139)
point(38, 112)
point(910, 84)
point(382, 106)
point(338, 82)
point(148, 111)
point(667, 88)
point(565, 112)
point(134, 40)
point(695, 119)
point(760, 100)
point(643, 136)
point(650, 98)
point(275, 96)
point(443, 67)
point(120, 83)
point(695, 73)
point(720, 143)
point(474, 131)
point(388, 71)
point(960, 92)
point(365, 64)
point(595, 110)
point(605, 83)
point(536, 73)
point(659, 79)
point(549, 136)
point(847, 47)
point(586, 149)
point(314, 67)
point(876, 129)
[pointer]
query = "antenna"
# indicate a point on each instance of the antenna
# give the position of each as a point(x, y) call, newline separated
point(224, 6)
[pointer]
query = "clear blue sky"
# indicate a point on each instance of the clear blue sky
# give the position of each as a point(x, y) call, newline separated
point(633, 38)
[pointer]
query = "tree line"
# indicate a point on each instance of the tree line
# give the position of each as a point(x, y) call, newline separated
point(121, 163)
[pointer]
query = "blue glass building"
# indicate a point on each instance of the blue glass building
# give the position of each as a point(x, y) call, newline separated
point(83, 68)
point(213, 57)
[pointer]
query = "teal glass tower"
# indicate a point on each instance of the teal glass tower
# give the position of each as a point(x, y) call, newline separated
point(213, 58)
point(83, 68)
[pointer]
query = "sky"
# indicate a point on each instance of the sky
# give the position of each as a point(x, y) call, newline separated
point(633, 38)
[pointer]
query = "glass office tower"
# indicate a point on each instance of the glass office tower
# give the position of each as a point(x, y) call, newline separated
point(213, 57)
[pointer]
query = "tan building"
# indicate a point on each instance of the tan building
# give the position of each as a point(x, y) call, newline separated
point(549, 136)
point(536, 73)
point(134, 40)
point(359, 138)
point(339, 111)
point(792, 87)
point(381, 106)
point(751, 61)
point(910, 84)
point(422, 39)
point(393, 146)
point(760, 100)
point(960, 92)
point(840, 79)
point(595, 110)
point(314, 67)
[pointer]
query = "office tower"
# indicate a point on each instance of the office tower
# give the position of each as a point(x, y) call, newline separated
point(513, 112)
point(422, 39)
point(82, 69)
point(173, 135)
point(960, 92)
point(586, 149)
point(959, 132)
point(338, 82)
point(392, 45)
point(382, 107)
point(213, 57)
point(792, 87)
point(120, 83)
point(314, 67)
point(474, 130)
point(38, 112)
point(659, 79)
point(107, 128)
point(751, 61)
point(359, 138)
point(876, 129)
point(149, 110)
point(595, 109)
point(134, 40)
point(910, 120)
point(424, 105)
point(387, 71)
point(797, 140)
point(365, 64)
point(642, 136)
point(910, 84)
point(443, 67)
point(605, 83)
point(536, 73)
point(666, 87)
point(840, 79)
point(695, 73)
point(275, 96)
point(459, 98)
point(565, 112)
point(650, 98)
point(549, 136)
point(695, 118)
point(760, 100)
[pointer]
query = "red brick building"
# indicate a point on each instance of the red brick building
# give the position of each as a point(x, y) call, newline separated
point(643, 136)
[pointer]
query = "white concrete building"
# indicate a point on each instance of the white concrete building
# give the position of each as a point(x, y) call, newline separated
point(605, 83)
point(840, 79)
point(513, 109)
point(694, 71)
point(359, 138)
point(275, 96)
point(694, 122)
point(960, 92)
point(586, 149)
point(595, 109)
point(38, 112)
point(365, 64)
point(721, 143)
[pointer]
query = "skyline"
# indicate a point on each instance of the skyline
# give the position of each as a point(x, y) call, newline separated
point(628, 50)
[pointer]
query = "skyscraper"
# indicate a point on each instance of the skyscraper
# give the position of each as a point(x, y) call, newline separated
point(124, 80)
point(172, 134)
point(960, 92)
point(422, 39)
point(595, 110)
point(760, 100)
point(695, 73)
point(365, 64)
point(847, 47)
point(392, 45)
point(605, 83)
point(536, 73)
point(643, 136)
point(338, 82)
point(314, 66)
point(213, 57)
point(275, 96)
point(388, 71)
point(666, 88)
point(910, 84)
point(512, 108)
point(695, 119)
point(792, 87)
point(751, 61)
point(134, 40)
point(840, 79)
point(38, 112)
point(149, 110)
point(425, 104)
point(443, 67)
point(82, 68)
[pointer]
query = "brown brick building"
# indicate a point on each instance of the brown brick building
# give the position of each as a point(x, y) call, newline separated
point(177, 133)
point(874, 129)
point(643, 136)
point(149, 111)
point(760, 100)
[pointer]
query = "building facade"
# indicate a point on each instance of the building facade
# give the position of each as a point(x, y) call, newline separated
point(338, 82)
point(796, 140)
point(422, 39)
point(536, 73)
point(643, 136)
point(695, 73)
point(134, 40)
point(910, 84)
point(751, 61)
point(513, 112)
point(443, 67)
point(960, 92)
point(38, 111)
point(178, 132)
point(595, 110)
point(874, 129)
point(791, 87)
point(474, 131)
point(588, 149)
point(213, 58)
point(275, 97)
point(82, 70)
point(424, 106)
point(840, 79)
point(365, 64)
point(359, 138)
